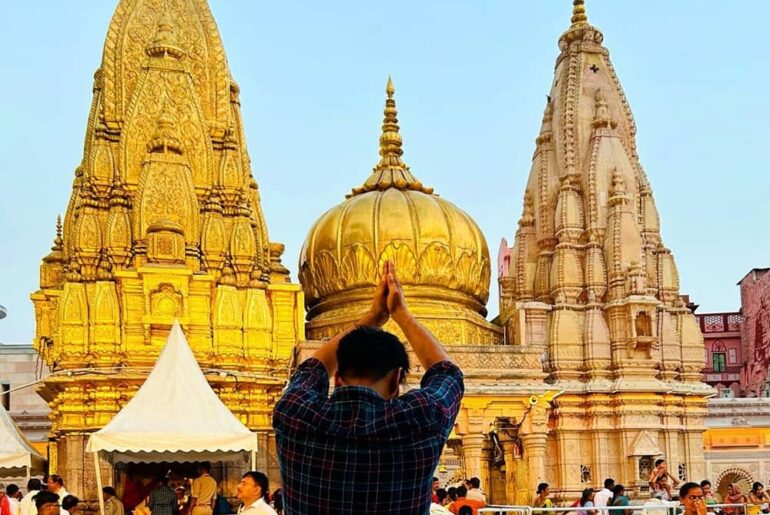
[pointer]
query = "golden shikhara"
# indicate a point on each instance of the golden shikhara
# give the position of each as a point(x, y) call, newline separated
point(440, 253)
point(164, 223)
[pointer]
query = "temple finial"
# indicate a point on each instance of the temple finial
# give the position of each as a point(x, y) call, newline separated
point(390, 140)
point(165, 137)
point(579, 17)
point(58, 242)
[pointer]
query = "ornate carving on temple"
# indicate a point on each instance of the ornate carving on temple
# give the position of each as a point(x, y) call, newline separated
point(440, 254)
point(164, 222)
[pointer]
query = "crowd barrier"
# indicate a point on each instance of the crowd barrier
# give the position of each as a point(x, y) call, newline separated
point(652, 509)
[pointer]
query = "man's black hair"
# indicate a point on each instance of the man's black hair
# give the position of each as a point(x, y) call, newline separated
point(609, 483)
point(109, 491)
point(11, 490)
point(705, 482)
point(205, 465)
point(475, 482)
point(441, 494)
point(34, 484)
point(685, 490)
point(45, 497)
point(260, 479)
point(462, 491)
point(434, 479)
point(69, 502)
point(371, 353)
point(659, 461)
point(452, 493)
point(541, 487)
point(465, 510)
point(56, 478)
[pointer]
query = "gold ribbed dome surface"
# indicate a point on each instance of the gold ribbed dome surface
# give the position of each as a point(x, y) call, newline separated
point(440, 254)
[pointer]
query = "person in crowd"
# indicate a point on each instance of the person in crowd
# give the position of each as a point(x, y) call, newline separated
point(162, 500)
point(68, 504)
point(758, 499)
point(27, 504)
point(661, 478)
point(451, 495)
point(542, 499)
point(47, 503)
point(434, 486)
point(734, 496)
point(463, 501)
point(327, 445)
point(13, 494)
point(55, 485)
point(691, 497)
point(475, 492)
point(253, 491)
point(5, 504)
point(203, 492)
point(603, 498)
point(278, 501)
point(708, 494)
point(181, 499)
point(465, 510)
point(112, 505)
point(586, 502)
point(437, 506)
point(620, 499)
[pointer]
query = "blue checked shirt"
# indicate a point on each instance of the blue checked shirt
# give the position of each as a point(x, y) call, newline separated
point(355, 452)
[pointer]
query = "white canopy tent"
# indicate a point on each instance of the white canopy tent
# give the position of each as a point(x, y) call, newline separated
point(175, 416)
point(15, 450)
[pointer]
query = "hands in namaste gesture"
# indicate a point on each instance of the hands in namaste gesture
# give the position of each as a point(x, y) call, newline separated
point(388, 298)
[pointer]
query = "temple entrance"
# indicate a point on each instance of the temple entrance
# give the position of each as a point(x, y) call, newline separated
point(733, 475)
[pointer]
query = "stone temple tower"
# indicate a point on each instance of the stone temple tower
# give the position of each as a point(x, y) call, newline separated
point(591, 283)
point(164, 223)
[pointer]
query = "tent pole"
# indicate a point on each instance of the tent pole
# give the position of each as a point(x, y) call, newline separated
point(99, 483)
point(29, 472)
point(253, 459)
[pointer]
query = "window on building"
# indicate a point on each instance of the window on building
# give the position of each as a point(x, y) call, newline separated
point(718, 361)
point(5, 392)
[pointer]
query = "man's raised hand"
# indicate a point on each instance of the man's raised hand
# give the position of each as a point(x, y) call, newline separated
point(379, 312)
point(395, 295)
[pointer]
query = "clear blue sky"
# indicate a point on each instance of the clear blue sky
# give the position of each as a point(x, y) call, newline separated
point(471, 79)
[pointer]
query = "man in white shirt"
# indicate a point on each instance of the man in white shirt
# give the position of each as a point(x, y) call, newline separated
point(602, 498)
point(252, 491)
point(27, 504)
point(56, 485)
point(13, 493)
point(474, 490)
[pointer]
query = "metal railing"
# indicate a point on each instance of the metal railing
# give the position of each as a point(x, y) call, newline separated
point(664, 508)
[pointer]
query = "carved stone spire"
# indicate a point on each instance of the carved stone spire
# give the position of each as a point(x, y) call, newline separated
point(165, 138)
point(579, 17)
point(391, 171)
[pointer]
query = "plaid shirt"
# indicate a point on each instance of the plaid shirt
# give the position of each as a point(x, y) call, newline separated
point(355, 452)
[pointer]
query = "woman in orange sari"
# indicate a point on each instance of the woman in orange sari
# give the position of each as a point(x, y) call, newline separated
point(734, 496)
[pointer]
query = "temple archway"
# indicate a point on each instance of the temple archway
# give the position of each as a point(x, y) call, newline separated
point(733, 475)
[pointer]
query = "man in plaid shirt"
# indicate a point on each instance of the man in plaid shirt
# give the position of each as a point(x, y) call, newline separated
point(367, 449)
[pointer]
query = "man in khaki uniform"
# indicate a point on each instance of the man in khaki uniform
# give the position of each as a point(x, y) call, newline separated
point(204, 491)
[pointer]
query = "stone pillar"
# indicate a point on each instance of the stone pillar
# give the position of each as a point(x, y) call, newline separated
point(486, 472)
point(472, 446)
point(534, 453)
point(510, 452)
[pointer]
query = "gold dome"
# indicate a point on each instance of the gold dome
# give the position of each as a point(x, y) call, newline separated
point(440, 253)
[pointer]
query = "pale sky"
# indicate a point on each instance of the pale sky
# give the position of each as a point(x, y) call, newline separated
point(471, 79)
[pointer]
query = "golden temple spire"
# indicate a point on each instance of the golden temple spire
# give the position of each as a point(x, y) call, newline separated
point(165, 41)
point(391, 171)
point(165, 137)
point(390, 140)
point(58, 242)
point(579, 18)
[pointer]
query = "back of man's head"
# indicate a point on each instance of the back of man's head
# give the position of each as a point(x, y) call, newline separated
point(609, 483)
point(462, 491)
point(11, 490)
point(109, 491)
point(45, 497)
point(371, 353)
point(34, 484)
point(475, 482)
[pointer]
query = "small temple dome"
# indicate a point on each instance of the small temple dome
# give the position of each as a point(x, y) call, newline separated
point(440, 254)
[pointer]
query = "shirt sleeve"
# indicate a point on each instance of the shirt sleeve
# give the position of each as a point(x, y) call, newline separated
point(439, 395)
point(300, 403)
point(195, 490)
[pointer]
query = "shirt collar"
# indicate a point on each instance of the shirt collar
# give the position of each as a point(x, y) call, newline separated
point(256, 503)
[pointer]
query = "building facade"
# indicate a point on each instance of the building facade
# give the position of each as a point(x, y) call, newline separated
point(723, 343)
point(20, 370)
point(755, 306)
